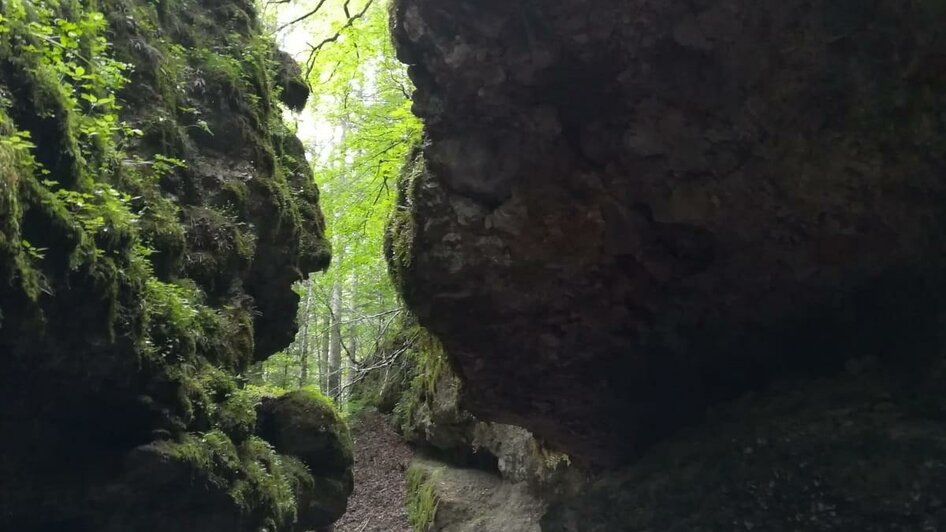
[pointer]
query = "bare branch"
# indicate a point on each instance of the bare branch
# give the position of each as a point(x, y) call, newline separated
point(387, 362)
point(303, 17)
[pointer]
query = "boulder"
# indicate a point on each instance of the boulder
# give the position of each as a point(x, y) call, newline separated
point(625, 212)
point(295, 91)
point(443, 498)
point(304, 424)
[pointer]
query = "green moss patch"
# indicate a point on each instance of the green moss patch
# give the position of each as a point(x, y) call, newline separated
point(421, 500)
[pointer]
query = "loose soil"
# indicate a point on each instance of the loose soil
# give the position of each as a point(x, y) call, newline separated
point(381, 460)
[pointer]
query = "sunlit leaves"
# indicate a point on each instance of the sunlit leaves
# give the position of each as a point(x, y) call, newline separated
point(360, 129)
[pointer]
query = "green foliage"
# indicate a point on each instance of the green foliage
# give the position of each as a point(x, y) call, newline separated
point(16, 165)
point(99, 220)
point(212, 455)
point(361, 95)
point(232, 459)
point(266, 482)
point(236, 415)
point(254, 476)
point(399, 233)
point(100, 210)
point(71, 61)
point(73, 82)
point(314, 395)
point(361, 130)
point(425, 362)
point(421, 501)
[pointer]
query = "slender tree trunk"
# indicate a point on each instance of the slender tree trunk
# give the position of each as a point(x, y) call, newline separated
point(350, 364)
point(349, 367)
point(284, 383)
point(323, 355)
point(335, 349)
point(255, 374)
point(335, 345)
point(304, 340)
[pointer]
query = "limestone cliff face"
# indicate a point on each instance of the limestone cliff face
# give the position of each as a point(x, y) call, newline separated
point(154, 212)
point(625, 211)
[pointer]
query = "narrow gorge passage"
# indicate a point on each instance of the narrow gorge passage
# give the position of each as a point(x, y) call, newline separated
point(473, 265)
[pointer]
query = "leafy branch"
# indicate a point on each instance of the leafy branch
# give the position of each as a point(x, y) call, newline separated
point(315, 49)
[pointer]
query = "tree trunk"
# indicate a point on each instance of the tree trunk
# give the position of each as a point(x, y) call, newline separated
point(304, 339)
point(324, 336)
point(284, 382)
point(350, 363)
point(349, 366)
point(255, 374)
point(335, 347)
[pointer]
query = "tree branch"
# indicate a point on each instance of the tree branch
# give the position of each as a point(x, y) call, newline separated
point(315, 49)
point(303, 17)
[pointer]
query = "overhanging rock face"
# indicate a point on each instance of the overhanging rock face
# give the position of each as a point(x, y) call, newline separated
point(627, 210)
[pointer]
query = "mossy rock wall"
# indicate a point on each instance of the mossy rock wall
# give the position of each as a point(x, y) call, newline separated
point(422, 393)
point(154, 211)
point(441, 498)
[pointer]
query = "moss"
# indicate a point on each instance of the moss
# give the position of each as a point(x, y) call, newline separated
point(401, 227)
point(421, 501)
point(220, 71)
point(210, 456)
point(236, 416)
point(259, 481)
point(426, 362)
point(16, 165)
point(162, 231)
point(266, 484)
point(306, 424)
point(311, 394)
point(163, 134)
point(278, 196)
point(121, 270)
point(233, 196)
point(172, 317)
point(220, 248)
point(318, 409)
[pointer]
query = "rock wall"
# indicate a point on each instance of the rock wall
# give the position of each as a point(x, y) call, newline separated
point(154, 211)
point(842, 454)
point(451, 499)
point(468, 474)
point(700, 239)
point(647, 208)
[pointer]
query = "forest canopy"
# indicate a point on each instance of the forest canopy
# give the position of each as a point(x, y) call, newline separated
point(358, 130)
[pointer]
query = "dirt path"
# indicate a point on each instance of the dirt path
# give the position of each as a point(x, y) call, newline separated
point(381, 459)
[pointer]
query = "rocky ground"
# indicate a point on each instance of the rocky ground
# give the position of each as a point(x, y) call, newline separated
point(381, 459)
point(472, 500)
